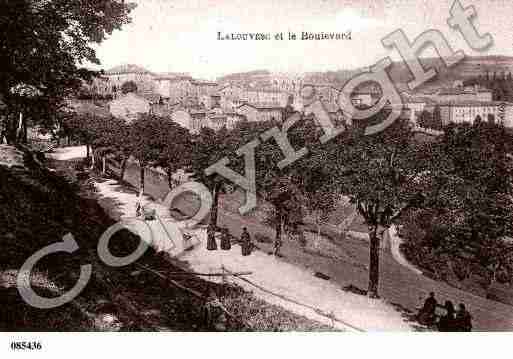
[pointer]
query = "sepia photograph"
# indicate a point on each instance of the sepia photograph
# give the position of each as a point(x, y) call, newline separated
point(330, 169)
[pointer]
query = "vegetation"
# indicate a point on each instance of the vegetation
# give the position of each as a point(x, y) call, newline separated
point(431, 120)
point(40, 68)
point(380, 175)
point(40, 207)
point(465, 227)
point(129, 86)
point(451, 195)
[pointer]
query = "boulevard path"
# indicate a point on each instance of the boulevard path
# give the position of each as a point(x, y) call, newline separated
point(398, 284)
point(290, 286)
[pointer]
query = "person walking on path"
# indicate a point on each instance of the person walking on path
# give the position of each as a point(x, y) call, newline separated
point(277, 246)
point(246, 244)
point(463, 319)
point(225, 240)
point(447, 323)
point(138, 205)
point(211, 238)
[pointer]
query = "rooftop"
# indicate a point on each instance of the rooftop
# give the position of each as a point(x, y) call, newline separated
point(418, 99)
point(152, 97)
point(263, 89)
point(204, 82)
point(474, 103)
point(460, 91)
point(331, 107)
point(127, 69)
point(263, 105)
point(176, 77)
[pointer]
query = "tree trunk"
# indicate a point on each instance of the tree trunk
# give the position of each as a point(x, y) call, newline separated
point(123, 168)
point(24, 131)
point(87, 152)
point(141, 178)
point(374, 262)
point(318, 222)
point(169, 174)
point(10, 129)
point(19, 128)
point(279, 231)
point(104, 164)
point(93, 162)
point(215, 207)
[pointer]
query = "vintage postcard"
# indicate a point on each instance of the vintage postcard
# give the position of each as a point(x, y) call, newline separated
point(319, 166)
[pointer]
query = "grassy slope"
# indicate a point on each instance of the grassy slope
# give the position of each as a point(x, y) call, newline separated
point(39, 207)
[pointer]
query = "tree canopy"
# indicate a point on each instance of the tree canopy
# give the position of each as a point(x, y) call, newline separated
point(46, 43)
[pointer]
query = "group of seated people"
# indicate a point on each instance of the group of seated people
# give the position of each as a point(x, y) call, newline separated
point(450, 321)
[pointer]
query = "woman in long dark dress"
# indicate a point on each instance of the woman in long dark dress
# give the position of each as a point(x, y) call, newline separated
point(225, 240)
point(211, 239)
point(245, 242)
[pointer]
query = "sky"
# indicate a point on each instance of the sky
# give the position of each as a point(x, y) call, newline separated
point(181, 35)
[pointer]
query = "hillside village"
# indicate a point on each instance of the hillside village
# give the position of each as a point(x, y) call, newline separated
point(263, 96)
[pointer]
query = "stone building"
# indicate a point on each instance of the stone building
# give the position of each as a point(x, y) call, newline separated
point(261, 111)
point(129, 106)
point(261, 95)
point(467, 111)
point(119, 75)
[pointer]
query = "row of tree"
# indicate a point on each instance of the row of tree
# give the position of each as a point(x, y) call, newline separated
point(384, 175)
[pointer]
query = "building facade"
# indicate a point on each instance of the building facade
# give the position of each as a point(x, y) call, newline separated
point(460, 93)
point(468, 111)
point(129, 107)
point(266, 96)
point(261, 112)
point(119, 75)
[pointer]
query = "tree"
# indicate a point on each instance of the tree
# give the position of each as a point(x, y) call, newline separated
point(281, 188)
point(82, 127)
point(320, 203)
point(146, 142)
point(431, 120)
point(177, 149)
point(285, 197)
point(209, 147)
point(318, 189)
point(44, 44)
point(110, 140)
point(469, 204)
point(425, 119)
point(437, 118)
point(381, 174)
point(129, 86)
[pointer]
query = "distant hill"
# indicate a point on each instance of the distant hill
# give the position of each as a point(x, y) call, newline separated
point(467, 68)
point(245, 78)
point(126, 69)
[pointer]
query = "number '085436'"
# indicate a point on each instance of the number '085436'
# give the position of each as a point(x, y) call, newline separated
point(26, 346)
